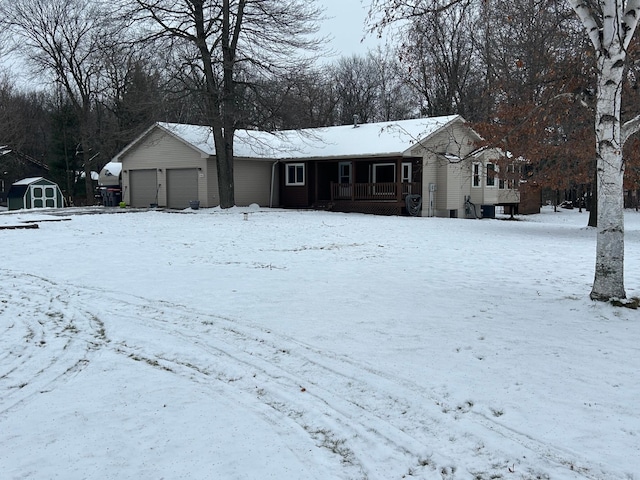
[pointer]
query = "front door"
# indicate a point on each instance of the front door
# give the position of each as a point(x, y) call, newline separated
point(344, 179)
point(406, 177)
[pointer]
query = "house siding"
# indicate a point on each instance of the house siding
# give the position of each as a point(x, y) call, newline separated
point(163, 152)
point(252, 180)
point(452, 179)
point(211, 197)
point(296, 196)
point(458, 183)
point(168, 156)
point(438, 160)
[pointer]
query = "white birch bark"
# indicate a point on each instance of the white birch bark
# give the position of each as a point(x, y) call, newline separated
point(610, 25)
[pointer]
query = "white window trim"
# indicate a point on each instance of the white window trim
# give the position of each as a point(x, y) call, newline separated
point(377, 165)
point(407, 178)
point(295, 182)
point(477, 175)
point(348, 167)
point(493, 179)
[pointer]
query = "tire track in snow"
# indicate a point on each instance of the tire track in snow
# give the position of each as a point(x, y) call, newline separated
point(346, 397)
point(375, 425)
point(44, 339)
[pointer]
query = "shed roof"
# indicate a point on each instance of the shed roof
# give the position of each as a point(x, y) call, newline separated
point(30, 180)
point(367, 139)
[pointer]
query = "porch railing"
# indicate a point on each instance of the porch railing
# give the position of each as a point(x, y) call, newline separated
point(373, 191)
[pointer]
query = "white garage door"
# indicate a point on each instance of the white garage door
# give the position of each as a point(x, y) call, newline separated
point(182, 187)
point(143, 187)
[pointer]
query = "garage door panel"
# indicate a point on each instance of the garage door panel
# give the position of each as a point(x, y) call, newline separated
point(143, 187)
point(182, 187)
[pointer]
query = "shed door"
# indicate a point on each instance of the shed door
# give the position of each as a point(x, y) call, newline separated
point(143, 188)
point(43, 196)
point(182, 187)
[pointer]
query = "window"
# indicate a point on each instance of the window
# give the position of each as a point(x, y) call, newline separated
point(512, 177)
point(406, 172)
point(406, 178)
point(294, 174)
point(491, 174)
point(475, 169)
point(344, 172)
point(384, 172)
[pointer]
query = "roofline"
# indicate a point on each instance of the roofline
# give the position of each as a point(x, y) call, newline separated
point(361, 156)
point(456, 119)
point(403, 153)
point(118, 157)
point(203, 154)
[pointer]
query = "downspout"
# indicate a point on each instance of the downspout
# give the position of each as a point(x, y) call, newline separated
point(273, 173)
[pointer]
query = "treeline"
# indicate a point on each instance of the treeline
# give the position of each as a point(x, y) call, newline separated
point(43, 123)
point(520, 71)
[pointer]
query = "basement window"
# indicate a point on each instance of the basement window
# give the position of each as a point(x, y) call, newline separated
point(294, 174)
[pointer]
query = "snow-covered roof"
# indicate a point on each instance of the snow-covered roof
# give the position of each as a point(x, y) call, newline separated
point(28, 181)
point(368, 139)
point(110, 174)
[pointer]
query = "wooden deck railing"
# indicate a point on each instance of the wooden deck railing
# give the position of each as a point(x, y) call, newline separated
point(373, 191)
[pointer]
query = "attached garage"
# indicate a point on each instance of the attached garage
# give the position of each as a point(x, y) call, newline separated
point(173, 165)
point(143, 187)
point(182, 187)
point(36, 192)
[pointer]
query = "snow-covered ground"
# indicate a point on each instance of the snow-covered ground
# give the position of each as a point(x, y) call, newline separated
point(311, 345)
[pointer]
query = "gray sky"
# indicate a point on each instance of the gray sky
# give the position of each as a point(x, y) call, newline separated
point(346, 25)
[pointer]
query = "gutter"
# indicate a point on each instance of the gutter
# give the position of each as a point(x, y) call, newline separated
point(273, 172)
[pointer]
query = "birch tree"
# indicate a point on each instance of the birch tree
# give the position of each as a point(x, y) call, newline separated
point(610, 26)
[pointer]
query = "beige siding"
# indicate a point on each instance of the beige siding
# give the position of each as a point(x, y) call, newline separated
point(213, 197)
point(162, 151)
point(491, 195)
point(508, 196)
point(252, 180)
point(453, 180)
point(455, 140)
point(429, 176)
point(458, 182)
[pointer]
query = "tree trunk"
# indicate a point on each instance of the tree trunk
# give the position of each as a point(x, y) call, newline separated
point(228, 42)
point(593, 200)
point(609, 274)
point(223, 141)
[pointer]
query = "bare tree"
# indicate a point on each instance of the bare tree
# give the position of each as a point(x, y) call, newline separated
point(214, 40)
point(357, 84)
point(610, 26)
point(65, 40)
point(438, 55)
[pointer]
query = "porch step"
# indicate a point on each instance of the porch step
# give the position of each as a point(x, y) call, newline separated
point(323, 206)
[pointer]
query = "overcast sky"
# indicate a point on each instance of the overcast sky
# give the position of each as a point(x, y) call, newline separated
point(345, 23)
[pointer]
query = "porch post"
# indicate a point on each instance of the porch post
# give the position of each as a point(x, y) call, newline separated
point(399, 180)
point(353, 180)
point(315, 183)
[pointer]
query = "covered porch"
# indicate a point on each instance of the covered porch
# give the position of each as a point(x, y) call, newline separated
point(376, 186)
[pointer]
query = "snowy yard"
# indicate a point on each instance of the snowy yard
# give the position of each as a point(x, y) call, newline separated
point(310, 345)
